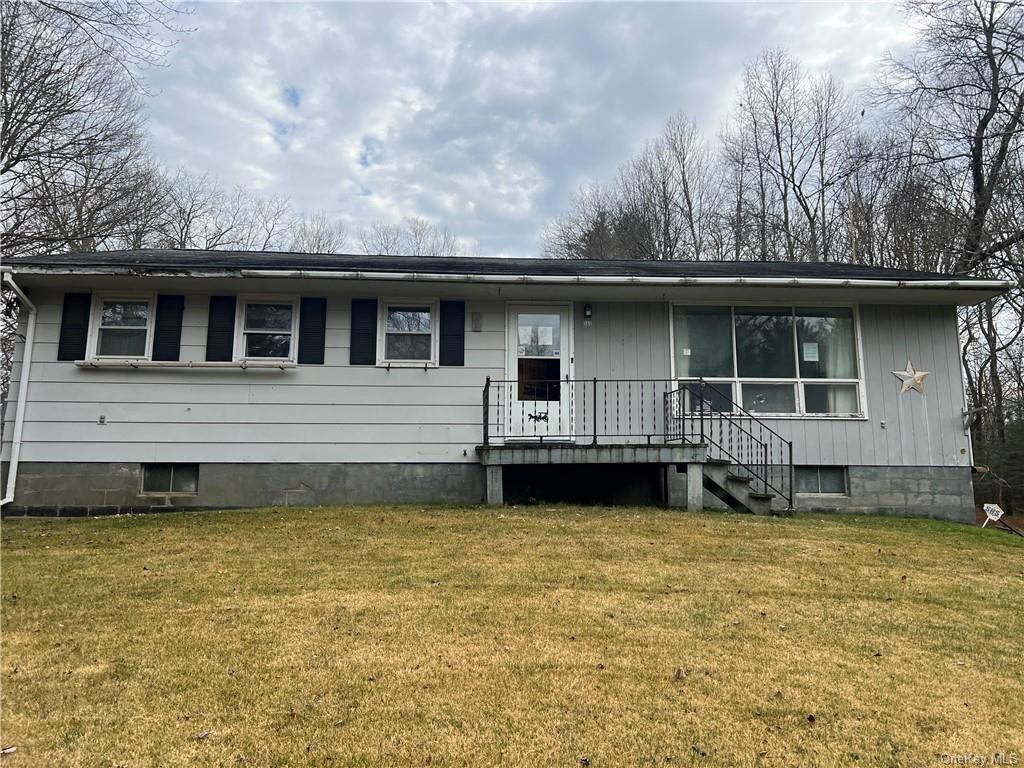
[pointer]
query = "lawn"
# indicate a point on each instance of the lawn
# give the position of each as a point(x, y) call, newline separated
point(526, 637)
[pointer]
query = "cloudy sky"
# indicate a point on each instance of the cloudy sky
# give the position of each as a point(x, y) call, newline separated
point(485, 117)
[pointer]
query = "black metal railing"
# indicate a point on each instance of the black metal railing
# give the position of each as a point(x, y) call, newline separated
point(640, 411)
point(705, 413)
point(585, 411)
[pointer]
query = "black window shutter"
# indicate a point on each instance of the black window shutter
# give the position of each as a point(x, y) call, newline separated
point(74, 326)
point(312, 330)
point(220, 329)
point(167, 329)
point(453, 333)
point(363, 342)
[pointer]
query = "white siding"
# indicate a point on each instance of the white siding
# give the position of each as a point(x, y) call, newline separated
point(342, 413)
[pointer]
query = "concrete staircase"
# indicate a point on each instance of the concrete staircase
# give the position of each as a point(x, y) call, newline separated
point(734, 489)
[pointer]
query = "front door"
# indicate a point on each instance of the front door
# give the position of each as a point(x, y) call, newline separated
point(539, 394)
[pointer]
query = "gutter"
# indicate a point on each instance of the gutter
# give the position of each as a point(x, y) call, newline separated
point(19, 414)
point(626, 279)
point(512, 279)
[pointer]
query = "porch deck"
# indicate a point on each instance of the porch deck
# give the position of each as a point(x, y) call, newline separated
point(688, 428)
point(603, 453)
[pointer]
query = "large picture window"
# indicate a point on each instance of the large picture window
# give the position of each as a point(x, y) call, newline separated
point(771, 360)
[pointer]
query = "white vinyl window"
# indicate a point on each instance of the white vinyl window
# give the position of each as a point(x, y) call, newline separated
point(267, 329)
point(408, 333)
point(123, 327)
point(770, 360)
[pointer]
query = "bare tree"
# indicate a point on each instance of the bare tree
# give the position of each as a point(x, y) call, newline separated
point(317, 233)
point(413, 236)
point(964, 85)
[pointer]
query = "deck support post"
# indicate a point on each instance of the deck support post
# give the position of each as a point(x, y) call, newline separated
point(695, 487)
point(495, 491)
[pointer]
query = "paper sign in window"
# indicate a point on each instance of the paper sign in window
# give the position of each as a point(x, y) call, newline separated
point(810, 351)
point(545, 337)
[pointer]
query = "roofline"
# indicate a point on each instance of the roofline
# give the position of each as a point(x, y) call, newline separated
point(314, 274)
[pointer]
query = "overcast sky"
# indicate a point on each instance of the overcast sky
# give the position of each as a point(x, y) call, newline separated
point(484, 117)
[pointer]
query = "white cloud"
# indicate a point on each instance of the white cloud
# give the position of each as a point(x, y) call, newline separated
point(484, 117)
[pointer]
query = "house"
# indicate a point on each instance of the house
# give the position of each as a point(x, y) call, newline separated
point(155, 378)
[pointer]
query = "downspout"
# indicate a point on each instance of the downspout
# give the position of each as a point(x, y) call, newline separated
point(19, 414)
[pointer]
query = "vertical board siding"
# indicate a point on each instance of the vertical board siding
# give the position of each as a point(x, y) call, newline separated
point(336, 412)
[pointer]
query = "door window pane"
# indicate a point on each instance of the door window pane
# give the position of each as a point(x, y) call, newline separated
point(703, 341)
point(539, 379)
point(764, 343)
point(539, 335)
point(769, 398)
point(831, 398)
point(826, 343)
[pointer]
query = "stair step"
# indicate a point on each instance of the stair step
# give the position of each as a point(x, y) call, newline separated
point(764, 496)
point(737, 478)
point(718, 462)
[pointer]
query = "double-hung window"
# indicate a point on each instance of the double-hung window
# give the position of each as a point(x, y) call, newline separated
point(268, 329)
point(123, 327)
point(408, 333)
point(769, 360)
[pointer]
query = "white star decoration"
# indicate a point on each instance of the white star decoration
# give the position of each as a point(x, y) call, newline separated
point(911, 378)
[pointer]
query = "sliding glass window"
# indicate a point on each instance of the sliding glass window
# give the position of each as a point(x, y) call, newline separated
point(770, 360)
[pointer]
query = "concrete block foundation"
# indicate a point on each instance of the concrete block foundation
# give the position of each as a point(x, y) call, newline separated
point(95, 488)
point(72, 488)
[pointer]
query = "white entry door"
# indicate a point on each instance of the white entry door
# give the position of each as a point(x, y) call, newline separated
point(538, 395)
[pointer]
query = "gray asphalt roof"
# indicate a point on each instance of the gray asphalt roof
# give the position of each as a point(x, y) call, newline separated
point(161, 259)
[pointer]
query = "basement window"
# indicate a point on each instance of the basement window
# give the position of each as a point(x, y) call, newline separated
point(170, 478)
point(821, 480)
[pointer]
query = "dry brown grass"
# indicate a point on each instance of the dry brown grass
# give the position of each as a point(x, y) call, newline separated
point(411, 636)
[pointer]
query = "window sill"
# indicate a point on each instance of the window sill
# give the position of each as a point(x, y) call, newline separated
point(131, 363)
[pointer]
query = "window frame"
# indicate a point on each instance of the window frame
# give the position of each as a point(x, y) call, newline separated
point(818, 467)
point(96, 317)
point(434, 305)
point(172, 465)
point(239, 347)
point(797, 381)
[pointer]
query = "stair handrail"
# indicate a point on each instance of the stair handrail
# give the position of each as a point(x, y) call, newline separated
point(730, 418)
